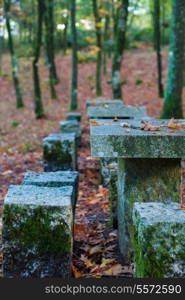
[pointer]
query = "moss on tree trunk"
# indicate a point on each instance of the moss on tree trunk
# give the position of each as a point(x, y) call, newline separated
point(173, 95)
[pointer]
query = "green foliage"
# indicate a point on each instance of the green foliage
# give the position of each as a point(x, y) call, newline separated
point(28, 147)
point(25, 51)
point(15, 124)
point(138, 81)
point(85, 57)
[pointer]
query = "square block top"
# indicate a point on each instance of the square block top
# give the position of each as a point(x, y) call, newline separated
point(39, 196)
point(112, 139)
point(69, 122)
point(55, 179)
point(74, 116)
point(61, 137)
point(103, 102)
point(152, 213)
point(119, 111)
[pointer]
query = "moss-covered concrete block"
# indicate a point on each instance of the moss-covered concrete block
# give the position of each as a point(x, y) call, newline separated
point(60, 152)
point(111, 139)
point(148, 166)
point(55, 179)
point(143, 180)
point(159, 240)
point(119, 111)
point(71, 126)
point(74, 116)
point(37, 232)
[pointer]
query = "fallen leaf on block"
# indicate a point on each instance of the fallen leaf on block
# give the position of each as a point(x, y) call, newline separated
point(175, 124)
point(144, 122)
point(115, 119)
point(182, 207)
point(148, 127)
point(94, 123)
point(125, 125)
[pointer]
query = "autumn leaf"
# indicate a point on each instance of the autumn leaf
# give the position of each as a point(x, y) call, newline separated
point(125, 125)
point(174, 124)
point(115, 119)
point(114, 270)
point(99, 25)
point(149, 127)
point(95, 249)
point(106, 261)
point(94, 123)
point(182, 207)
point(75, 272)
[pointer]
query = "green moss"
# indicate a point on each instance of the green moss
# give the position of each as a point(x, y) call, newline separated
point(41, 229)
point(57, 156)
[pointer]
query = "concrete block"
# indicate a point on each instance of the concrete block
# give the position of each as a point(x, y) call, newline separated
point(37, 232)
point(54, 179)
point(59, 151)
point(159, 240)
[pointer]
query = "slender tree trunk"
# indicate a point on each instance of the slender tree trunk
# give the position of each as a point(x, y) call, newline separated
point(163, 21)
point(65, 35)
point(1, 51)
point(173, 94)
point(39, 110)
point(74, 75)
point(106, 37)
point(49, 25)
point(99, 45)
point(118, 49)
point(157, 42)
point(19, 100)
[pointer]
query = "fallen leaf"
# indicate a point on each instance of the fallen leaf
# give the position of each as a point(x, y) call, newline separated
point(115, 119)
point(94, 123)
point(149, 127)
point(174, 124)
point(75, 272)
point(95, 249)
point(114, 270)
point(125, 125)
point(106, 261)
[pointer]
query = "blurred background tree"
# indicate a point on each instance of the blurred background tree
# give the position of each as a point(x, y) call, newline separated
point(93, 31)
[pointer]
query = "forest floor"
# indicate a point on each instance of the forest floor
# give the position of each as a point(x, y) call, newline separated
point(95, 253)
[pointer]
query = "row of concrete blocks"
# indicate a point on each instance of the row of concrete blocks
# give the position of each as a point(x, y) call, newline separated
point(39, 214)
point(154, 230)
point(101, 108)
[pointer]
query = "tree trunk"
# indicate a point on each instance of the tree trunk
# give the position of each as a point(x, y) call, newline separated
point(19, 100)
point(39, 110)
point(106, 37)
point(99, 45)
point(157, 42)
point(65, 41)
point(119, 48)
point(49, 25)
point(173, 94)
point(74, 75)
